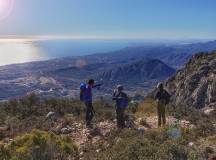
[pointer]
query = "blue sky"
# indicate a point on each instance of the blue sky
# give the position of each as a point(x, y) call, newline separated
point(112, 18)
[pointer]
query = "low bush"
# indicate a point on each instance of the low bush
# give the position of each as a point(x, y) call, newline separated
point(152, 145)
point(39, 145)
point(147, 107)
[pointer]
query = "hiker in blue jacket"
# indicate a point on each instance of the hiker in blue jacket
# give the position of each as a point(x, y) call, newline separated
point(121, 99)
point(86, 97)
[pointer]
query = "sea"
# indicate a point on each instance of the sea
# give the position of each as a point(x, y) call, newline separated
point(13, 51)
point(24, 50)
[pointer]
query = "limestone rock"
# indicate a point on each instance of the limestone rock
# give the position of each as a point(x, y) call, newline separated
point(66, 130)
point(51, 116)
point(195, 84)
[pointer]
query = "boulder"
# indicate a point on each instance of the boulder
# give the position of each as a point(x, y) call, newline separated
point(208, 111)
point(3, 128)
point(51, 116)
point(141, 130)
point(66, 130)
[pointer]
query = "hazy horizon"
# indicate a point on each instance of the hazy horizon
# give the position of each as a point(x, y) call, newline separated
point(21, 50)
point(42, 29)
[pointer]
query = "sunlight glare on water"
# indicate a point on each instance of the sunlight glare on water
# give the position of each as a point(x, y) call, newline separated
point(19, 51)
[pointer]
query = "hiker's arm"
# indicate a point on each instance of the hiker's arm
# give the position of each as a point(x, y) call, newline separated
point(156, 96)
point(115, 96)
point(97, 85)
point(118, 97)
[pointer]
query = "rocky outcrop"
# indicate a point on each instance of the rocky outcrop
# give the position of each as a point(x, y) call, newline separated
point(195, 84)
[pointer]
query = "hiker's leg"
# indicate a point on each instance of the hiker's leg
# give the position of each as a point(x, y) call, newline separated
point(88, 112)
point(121, 118)
point(118, 117)
point(159, 113)
point(91, 112)
point(163, 114)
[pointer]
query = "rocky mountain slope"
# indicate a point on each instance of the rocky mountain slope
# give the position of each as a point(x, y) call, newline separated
point(139, 75)
point(195, 84)
point(138, 71)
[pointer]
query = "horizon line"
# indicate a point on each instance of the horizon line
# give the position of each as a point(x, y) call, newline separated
point(75, 37)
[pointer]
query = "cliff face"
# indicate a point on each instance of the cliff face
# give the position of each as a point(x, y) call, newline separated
point(195, 84)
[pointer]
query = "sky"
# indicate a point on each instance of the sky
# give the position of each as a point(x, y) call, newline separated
point(110, 18)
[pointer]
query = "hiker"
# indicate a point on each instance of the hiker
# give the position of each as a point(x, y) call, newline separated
point(121, 99)
point(162, 97)
point(86, 97)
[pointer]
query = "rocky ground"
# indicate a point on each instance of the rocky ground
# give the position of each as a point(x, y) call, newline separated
point(81, 135)
point(96, 139)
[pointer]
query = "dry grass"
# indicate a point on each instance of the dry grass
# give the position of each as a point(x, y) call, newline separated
point(147, 108)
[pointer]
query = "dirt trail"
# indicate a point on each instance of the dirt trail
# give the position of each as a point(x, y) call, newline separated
point(81, 134)
point(151, 122)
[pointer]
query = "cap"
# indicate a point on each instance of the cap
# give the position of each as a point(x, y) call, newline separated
point(120, 87)
point(159, 85)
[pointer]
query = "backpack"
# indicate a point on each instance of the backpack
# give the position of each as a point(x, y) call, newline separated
point(167, 97)
point(164, 95)
point(124, 101)
point(82, 91)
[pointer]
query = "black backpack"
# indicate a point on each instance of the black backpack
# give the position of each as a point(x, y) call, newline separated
point(166, 97)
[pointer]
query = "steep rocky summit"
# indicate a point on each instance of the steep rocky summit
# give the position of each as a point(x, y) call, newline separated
point(195, 84)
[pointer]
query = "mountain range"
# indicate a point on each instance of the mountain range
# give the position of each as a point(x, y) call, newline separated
point(174, 55)
point(140, 68)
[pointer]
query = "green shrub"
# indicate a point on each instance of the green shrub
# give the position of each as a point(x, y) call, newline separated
point(133, 106)
point(39, 145)
point(152, 145)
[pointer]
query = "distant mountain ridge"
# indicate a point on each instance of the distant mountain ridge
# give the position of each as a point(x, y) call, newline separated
point(173, 55)
point(137, 77)
point(142, 70)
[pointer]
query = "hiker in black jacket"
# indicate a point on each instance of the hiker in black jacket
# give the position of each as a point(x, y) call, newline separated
point(162, 97)
point(121, 99)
